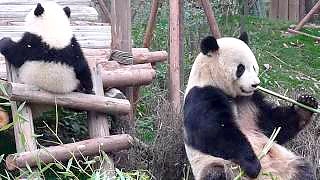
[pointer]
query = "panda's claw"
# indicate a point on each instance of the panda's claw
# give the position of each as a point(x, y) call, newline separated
point(308, 100)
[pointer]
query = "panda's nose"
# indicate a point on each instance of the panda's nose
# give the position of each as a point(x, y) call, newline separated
point(255, 85)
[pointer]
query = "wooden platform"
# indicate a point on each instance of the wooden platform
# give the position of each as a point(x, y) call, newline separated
point(84, 18)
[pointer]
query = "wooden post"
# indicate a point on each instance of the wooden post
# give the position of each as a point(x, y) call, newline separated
point(23, 128)
point(121, 40)
point(275, 9)
point(64, 152)
point(151, 24)
point(211, 19)
point(283, 9)
point(98, 122)
point(308, 16)
point(176, 51)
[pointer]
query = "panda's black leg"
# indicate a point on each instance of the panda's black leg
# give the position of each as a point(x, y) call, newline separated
point(214, 173)
point(84, 76)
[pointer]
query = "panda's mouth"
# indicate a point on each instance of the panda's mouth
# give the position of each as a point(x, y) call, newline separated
point(246, 92)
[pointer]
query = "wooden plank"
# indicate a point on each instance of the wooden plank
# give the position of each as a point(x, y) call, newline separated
point(61, 2)
point(294, 10)
point(96, 29)
point(274, 9)
point(18, 12)
point(283, 9)
point(176, 52)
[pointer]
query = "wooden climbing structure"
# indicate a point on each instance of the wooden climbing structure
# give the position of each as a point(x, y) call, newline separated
point(99, 41)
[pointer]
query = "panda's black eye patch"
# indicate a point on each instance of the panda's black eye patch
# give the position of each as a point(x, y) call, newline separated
point(240, 70)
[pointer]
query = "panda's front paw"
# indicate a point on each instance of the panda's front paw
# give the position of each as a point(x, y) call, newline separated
point(251, 166)
point(5, 43)
point(308, 100)
point(305, 115)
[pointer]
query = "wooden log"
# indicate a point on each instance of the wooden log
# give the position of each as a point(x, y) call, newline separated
point(150, 57)
point(74, 100)
point(283, 9)
point(275, 9)
point(176, 52)
point(314, 10)
point(64, 152)
point(116, 75)
point(151, 23)
point(211, 19)
point(304, 34)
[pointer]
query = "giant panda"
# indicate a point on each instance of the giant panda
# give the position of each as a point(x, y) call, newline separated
point(226, 121)
point(48, 55)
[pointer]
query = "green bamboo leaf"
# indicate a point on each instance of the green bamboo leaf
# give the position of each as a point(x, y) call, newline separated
point(69, 164)
point(44, 169)
point(7, 126)
point(5, 104)
point(3, 90)
point(1, 157)
point(21, 107)
point(29, 168)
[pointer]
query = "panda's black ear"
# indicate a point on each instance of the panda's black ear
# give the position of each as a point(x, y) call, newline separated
point(39, 10)
point(67, 11)
point(209, 44)
point(244, 37)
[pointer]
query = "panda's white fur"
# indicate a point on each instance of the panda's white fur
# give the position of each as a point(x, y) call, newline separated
point(52, 77)
point(218, 69)
point(53, 25)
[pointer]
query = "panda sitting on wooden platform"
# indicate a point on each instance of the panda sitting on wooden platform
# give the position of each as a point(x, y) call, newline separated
point(48, 55)
point(226, 120)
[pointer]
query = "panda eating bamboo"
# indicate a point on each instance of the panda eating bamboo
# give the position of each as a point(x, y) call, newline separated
point(226, 120)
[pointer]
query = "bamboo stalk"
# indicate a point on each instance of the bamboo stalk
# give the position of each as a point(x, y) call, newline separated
point(288, 99)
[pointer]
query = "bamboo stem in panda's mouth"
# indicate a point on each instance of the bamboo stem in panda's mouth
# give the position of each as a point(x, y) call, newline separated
point(288, 99)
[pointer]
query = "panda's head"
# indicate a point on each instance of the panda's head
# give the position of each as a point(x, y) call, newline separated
point(51, 22)
point(226, 63)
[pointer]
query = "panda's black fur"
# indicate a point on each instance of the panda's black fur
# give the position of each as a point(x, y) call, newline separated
point(32, 47)
point(212, 129)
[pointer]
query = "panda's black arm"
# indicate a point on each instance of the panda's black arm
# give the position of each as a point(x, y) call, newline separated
point(270, 117)
point(210, 128)
point(82, 70)
point(12, 51)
